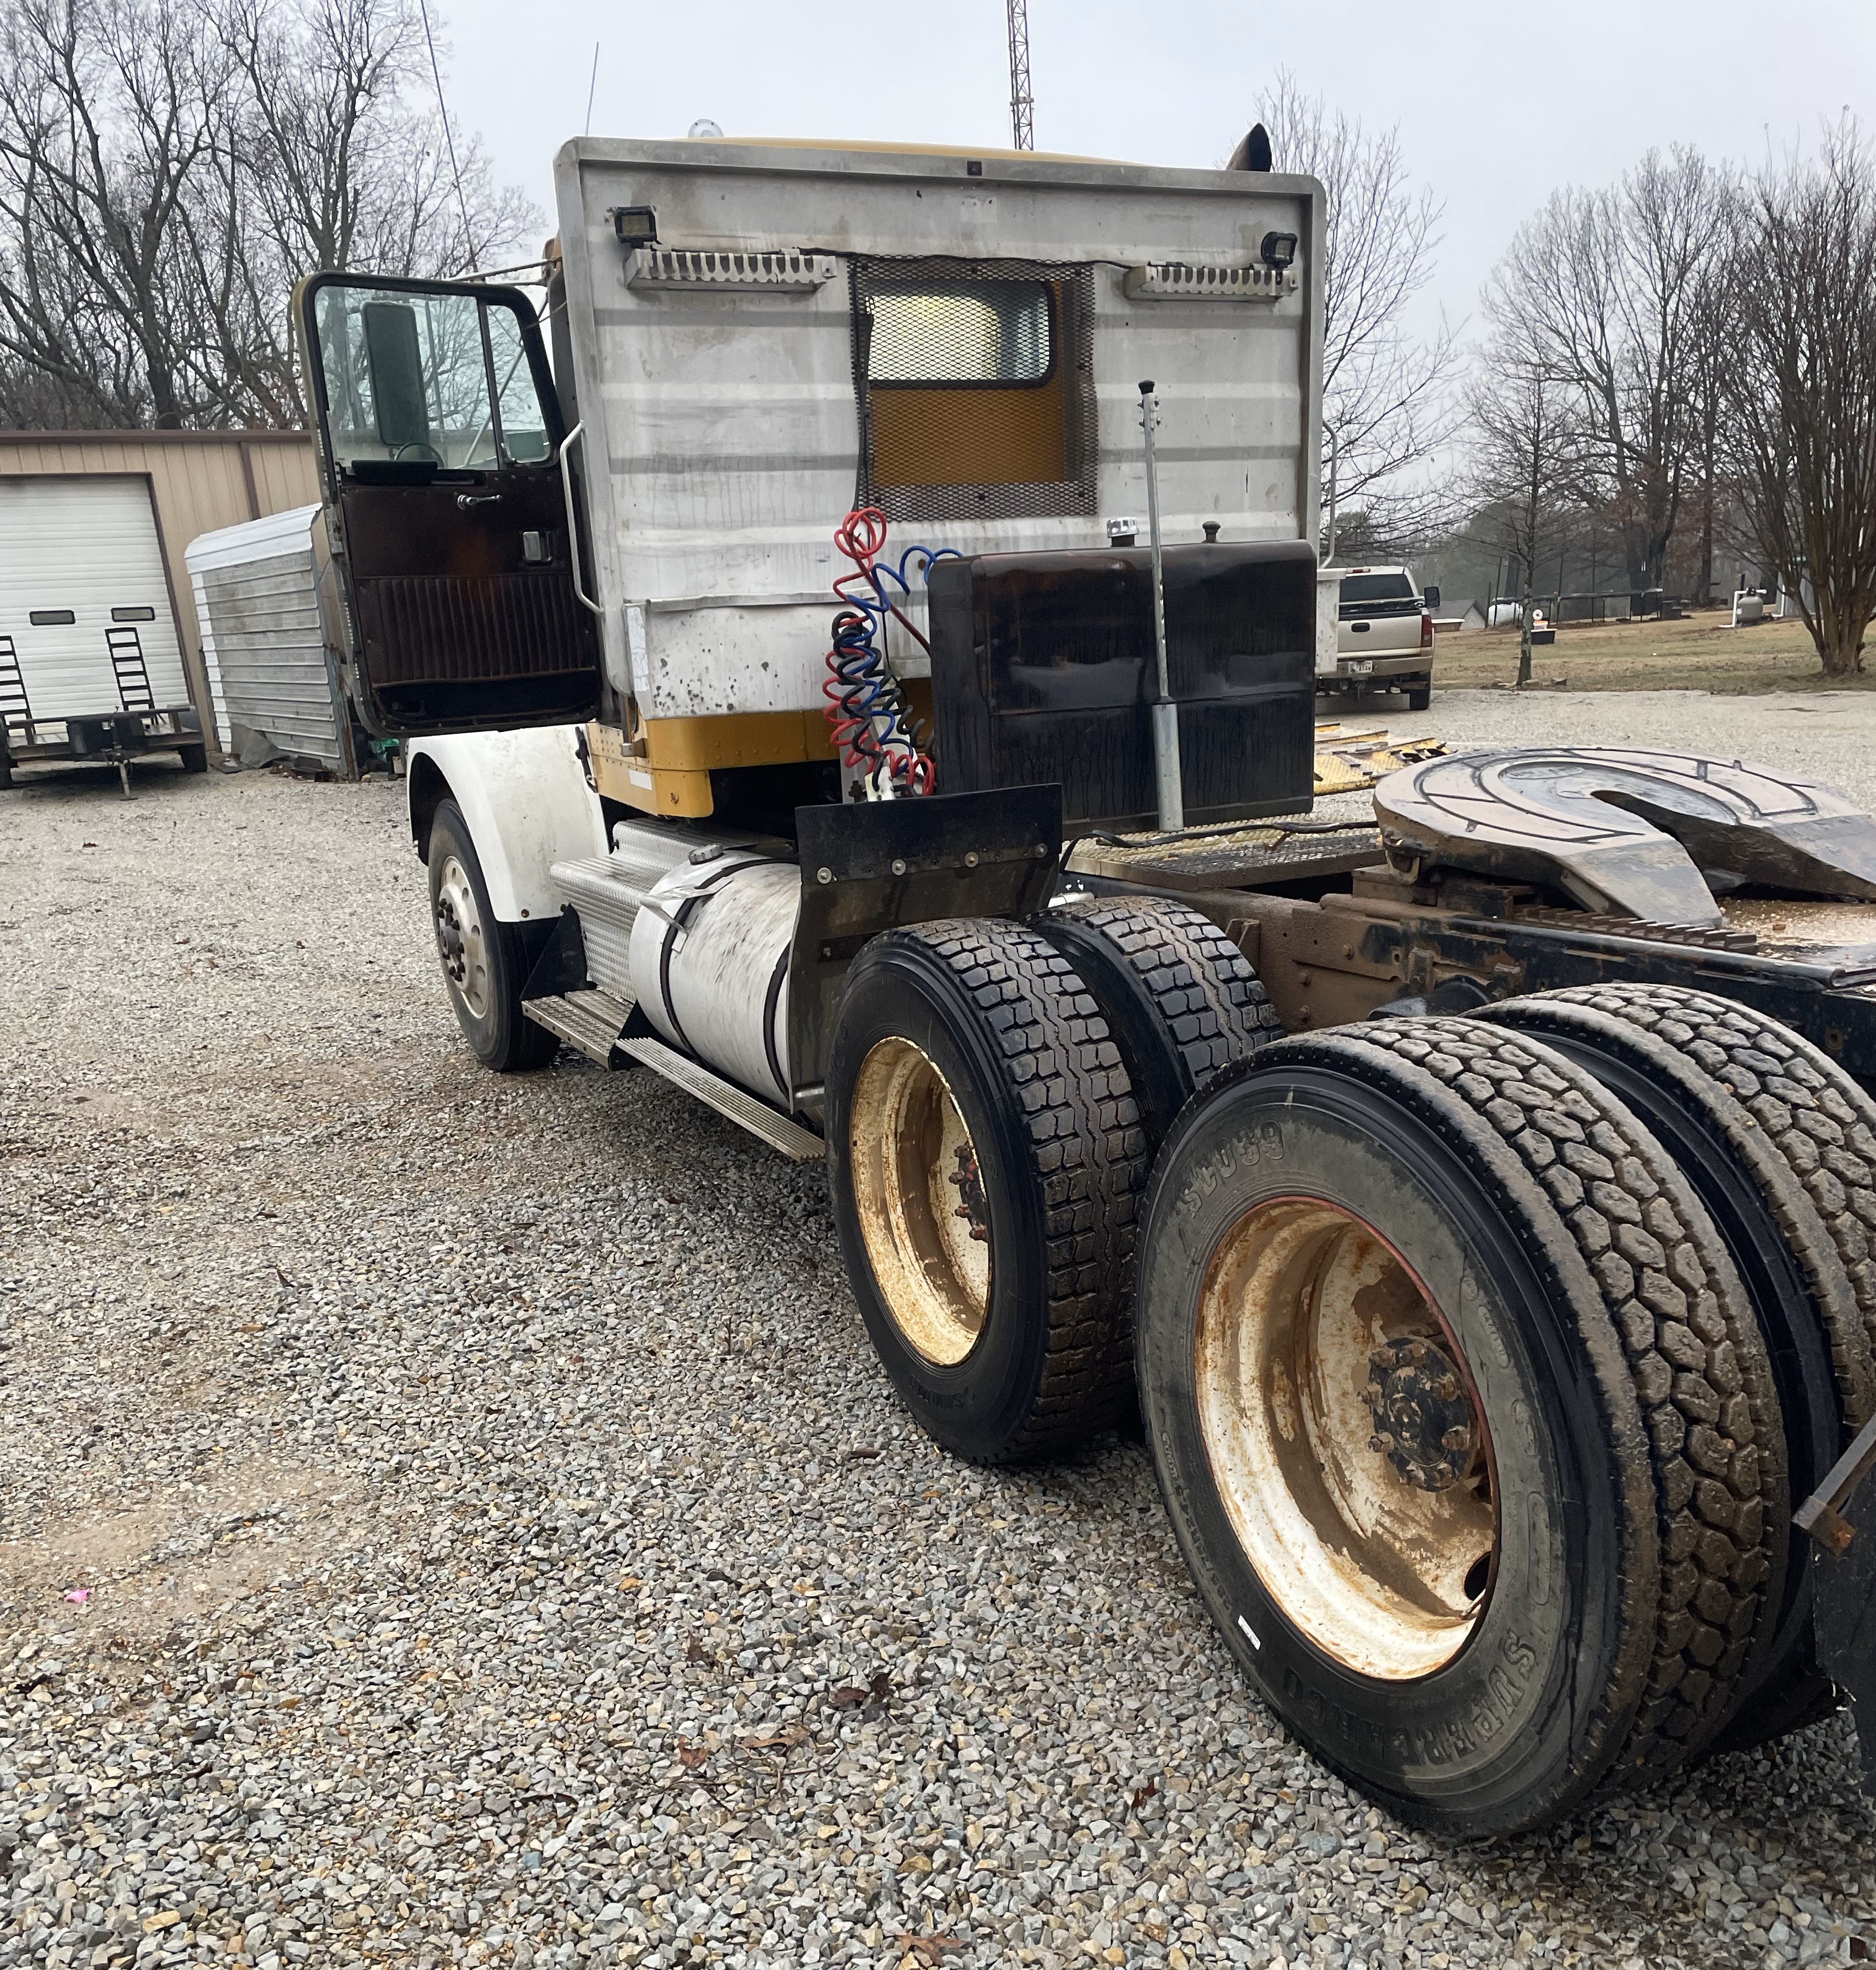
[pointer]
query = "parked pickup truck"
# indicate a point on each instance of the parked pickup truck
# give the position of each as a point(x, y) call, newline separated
point(1384, 636)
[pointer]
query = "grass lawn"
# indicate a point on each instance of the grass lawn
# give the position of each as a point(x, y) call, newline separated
point(1701, 653)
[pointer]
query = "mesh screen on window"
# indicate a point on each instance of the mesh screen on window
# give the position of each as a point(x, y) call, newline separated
point(975, 387)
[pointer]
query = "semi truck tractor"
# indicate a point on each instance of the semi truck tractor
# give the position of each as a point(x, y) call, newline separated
point(1476, 1199)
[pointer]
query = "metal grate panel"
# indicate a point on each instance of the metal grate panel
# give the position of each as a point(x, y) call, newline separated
point(463, 629)
point(792, 270)
point(975, 382)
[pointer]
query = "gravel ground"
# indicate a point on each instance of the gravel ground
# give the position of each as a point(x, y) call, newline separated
point(446, 1518)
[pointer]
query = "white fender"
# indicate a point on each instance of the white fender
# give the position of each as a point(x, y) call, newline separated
point(526, 798)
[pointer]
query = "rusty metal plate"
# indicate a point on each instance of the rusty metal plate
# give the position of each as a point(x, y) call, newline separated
point(1629, 831)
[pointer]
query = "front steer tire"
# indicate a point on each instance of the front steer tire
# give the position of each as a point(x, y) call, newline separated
point(484, 962)
point(985, 1157)
point(1583, 1297)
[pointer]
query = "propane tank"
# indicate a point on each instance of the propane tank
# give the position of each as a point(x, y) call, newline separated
point(709, 964)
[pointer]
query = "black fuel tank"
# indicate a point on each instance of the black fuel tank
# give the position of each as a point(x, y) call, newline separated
point(1043, 669)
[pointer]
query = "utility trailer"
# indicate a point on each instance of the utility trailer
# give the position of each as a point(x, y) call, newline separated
point(1476, 1201)
point(91, 665)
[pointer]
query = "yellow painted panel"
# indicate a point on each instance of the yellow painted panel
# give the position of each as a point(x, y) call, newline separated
point(736, 739)
point(1005, 436)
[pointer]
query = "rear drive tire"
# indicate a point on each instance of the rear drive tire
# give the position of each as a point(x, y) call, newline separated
point(1420, 696)
point(1475, 1612)
point(483, 961)
point(195, 758)
point(1181, 998)
point(985, 1157)
point(1781, 1145)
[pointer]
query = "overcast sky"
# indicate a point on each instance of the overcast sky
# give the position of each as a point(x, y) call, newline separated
point(1497, 103)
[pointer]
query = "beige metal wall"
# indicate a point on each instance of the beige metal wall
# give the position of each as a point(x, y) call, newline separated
point(201, 480)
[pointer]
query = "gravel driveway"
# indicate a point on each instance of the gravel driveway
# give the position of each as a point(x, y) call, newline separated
point(447, 1518)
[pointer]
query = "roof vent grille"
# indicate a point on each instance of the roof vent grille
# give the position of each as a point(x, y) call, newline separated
point(1183, 280)
point(787, 270)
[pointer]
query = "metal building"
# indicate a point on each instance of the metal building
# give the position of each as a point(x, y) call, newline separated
point(190, 483)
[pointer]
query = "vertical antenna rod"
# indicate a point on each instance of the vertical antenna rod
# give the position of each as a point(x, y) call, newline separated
point(443, 112)
point(1021, 102)
point(1164, 710)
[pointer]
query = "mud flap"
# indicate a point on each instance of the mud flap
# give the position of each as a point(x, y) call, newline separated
point(1843, 1584)
point(875, 866)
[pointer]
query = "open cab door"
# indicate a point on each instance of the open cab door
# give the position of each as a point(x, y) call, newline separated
point(450, 508)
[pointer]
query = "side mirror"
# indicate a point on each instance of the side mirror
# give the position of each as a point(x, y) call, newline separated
point(1433, 594)
point(396, 364)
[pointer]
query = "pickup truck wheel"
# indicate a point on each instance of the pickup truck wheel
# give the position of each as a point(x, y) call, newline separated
point(195, 758)
point(481, 959)
point(1781, 1145)
point(1420, 695)
point(1181, 998)
point(985, 1156)
point(1404, 1292)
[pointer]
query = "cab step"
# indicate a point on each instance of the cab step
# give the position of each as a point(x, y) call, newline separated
point(590, 1022)
point(799, 1144)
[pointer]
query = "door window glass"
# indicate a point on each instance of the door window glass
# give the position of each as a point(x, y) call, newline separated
point(423, 378)
point(525, 439)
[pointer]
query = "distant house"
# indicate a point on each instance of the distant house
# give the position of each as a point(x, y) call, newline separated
point(1467, 616)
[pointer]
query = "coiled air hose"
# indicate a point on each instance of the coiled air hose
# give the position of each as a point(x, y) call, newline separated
point(873, 729)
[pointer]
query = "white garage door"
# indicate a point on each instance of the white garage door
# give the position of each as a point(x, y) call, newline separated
point(84, 600)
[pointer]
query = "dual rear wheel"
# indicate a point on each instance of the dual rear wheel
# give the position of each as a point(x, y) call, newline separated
point(1482, 1361)
point(995, 1095)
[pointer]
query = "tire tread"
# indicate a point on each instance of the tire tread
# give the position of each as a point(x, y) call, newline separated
point(1696, 1362)
point(1064, 1074)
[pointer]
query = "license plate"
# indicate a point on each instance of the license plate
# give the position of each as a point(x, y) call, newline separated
point(1359, 667)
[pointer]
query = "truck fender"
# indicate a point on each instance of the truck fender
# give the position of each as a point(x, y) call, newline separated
point(527, 803)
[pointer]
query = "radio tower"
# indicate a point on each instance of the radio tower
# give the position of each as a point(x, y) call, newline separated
point(1022, 103)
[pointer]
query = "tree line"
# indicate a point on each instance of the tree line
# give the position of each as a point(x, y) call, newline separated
point(1677, 366)
point(169, 168)
point(1674, 364)
point(1686, 359)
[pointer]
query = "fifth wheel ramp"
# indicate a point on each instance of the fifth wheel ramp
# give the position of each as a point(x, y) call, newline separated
point(1627, 832)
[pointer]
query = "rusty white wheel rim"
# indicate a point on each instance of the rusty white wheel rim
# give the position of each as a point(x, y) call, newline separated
point(1346, 1439)
point(460, 940)
point(920, 1201)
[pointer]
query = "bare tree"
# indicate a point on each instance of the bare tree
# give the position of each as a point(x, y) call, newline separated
point(1798, 364)
point(168, 168)
point(106, 130)
point(1387, 396)
point(1521, 465)
point(1602, 293)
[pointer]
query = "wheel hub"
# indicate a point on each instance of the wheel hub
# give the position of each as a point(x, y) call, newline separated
point(450, 940)
point(1423, 1424)
point(460, 941)
point(1341, 1427)
point(920, 1198)
point(973, 1206)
